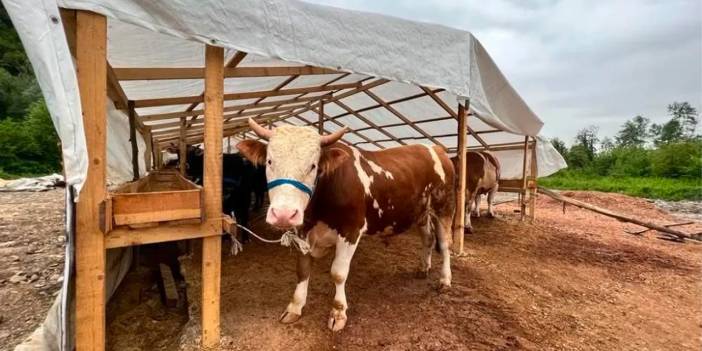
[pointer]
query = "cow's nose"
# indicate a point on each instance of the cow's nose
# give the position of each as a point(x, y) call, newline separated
point(284, 217)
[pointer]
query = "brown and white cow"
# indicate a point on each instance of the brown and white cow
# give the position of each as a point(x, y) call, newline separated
point(482, 177)
point(336, 194)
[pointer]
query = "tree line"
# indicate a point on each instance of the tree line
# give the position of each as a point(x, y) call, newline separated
point(28, 140)
point(640, 149)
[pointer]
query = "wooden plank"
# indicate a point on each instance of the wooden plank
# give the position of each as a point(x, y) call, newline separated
point(134, 208)
point(124, 236)
point(242, 96)
point(229, 225)
point(151, 73)
point(182, 148)
point(200, 121)
point(115, 91)
point(461, 174)
point(320, 122)
point(169, 290)
point(91, 67)
point(212, 246)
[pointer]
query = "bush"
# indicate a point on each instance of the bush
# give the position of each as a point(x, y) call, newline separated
point(675, 160)
point(29, 146)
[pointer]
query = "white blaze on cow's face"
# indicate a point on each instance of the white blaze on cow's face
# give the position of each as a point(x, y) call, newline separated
point(293, 153)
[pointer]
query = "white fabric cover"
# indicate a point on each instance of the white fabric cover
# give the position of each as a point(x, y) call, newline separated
point(363, 43)
point(119, 148)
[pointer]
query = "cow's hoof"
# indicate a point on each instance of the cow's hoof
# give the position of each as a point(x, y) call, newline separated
point(443, 287)
point(289, 317)
point(468, 230)
point(337, 320)
point(421, 274)
point(490, 215)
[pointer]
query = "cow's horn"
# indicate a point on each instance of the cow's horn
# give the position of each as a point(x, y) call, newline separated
point(334, 137)
point(259, 130)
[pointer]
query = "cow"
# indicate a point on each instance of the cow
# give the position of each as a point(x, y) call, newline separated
point(335, 194)
point(482, 177)
point(239, 180)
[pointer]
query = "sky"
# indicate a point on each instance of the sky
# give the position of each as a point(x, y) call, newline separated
point(578, 63)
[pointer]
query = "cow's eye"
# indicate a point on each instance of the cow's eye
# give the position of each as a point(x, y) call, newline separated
point(270, 162)
point(313, 167)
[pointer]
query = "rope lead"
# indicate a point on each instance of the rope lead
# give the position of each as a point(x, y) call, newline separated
point(288, 239)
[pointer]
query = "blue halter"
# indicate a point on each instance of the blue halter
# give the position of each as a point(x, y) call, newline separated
point(296, 183)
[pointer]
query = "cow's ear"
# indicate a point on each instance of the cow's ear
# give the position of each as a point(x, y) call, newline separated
point(253, 150)
point(332, 157)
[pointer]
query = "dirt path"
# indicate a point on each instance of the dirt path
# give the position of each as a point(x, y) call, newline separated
point(567, 282)
point(31, 260)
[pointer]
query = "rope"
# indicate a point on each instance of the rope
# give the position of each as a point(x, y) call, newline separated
point(288, 239)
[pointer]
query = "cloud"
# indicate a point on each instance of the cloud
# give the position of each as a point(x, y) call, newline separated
point(579, 62)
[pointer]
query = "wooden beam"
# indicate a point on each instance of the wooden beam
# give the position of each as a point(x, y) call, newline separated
point(242, 96)
point(532, 183)
point(448, 109)
point(212, 188)
point(320, 122)
point(402, 117)
point(115, 91)
point(461, 174)
point(522, 203)
point(234, 108)
point(229, 72)
point(91, 67)
point(182, 148)
point(133, 140)
point(369, 122)
point(123, 236)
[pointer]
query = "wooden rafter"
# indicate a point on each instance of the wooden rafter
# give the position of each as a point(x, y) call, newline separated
point(450, 111)
point(402, 117)
point(233, 108)
point(229, 72)
point(241, 96)
point(367, 121)
point(341, 126)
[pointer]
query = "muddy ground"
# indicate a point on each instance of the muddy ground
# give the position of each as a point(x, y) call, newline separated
point(573, 281)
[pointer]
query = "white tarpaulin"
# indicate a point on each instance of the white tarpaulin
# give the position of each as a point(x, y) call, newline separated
point(173, 34)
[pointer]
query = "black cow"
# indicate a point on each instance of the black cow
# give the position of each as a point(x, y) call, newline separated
point(239, 179)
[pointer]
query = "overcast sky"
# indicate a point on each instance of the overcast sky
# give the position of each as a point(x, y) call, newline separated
point(578, 62)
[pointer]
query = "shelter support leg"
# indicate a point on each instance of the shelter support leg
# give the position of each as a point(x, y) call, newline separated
point(533, 186)
point(212, 188)
point(523, 197)
point(133, 140)
point(91, 64)
point(182, 147)
point(459, 226)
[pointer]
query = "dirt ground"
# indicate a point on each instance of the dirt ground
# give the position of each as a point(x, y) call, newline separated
point(31, 260)
point(573, 281)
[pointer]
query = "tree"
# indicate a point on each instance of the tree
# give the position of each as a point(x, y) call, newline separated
point(587, 138)
point(560, 146)
point(634, 132)
point(686, 115)
point(607, 144)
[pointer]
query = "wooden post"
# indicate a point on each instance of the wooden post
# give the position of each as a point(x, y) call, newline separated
point(148, 153)
point(91, 67)
point(461, 174)
point(533, 175)
point(212, 187)
point(522, 202)
point(133, 140)
point(182, 147)
point(158, 156)
point(229, 144)
point(320, 123)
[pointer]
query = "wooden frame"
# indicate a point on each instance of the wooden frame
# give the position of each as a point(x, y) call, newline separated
point(128, 217)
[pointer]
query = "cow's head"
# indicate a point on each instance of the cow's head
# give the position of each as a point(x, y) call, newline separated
point(294, 157)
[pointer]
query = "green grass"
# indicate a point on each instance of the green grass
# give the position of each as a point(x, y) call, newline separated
point(648, 187)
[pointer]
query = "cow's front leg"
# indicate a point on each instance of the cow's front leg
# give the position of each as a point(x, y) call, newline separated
point(294, 310)
point(339, 273)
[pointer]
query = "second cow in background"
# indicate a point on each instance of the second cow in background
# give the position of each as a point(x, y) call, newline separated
point(482, 177)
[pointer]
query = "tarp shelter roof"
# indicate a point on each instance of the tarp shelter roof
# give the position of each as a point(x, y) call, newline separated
point(392, 81)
